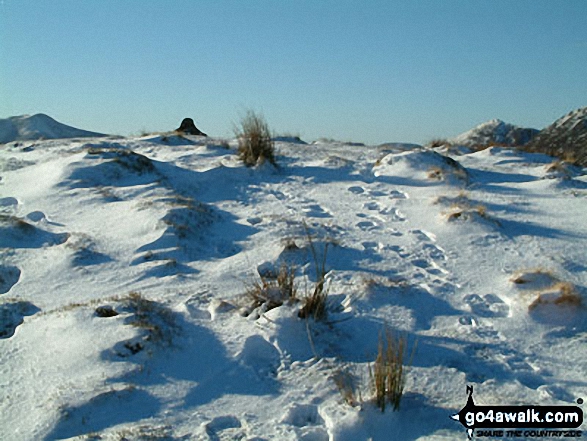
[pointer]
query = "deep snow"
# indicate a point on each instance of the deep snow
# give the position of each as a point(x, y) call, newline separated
point(471, 258)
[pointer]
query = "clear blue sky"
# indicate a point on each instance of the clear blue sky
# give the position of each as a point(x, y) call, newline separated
point(369, 71)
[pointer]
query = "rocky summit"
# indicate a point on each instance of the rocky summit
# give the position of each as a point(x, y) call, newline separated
point(495, 132)
point(565, 138)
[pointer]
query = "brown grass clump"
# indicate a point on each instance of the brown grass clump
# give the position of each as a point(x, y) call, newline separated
point(157, 320)
point(315, 303)
point(450, 168)
point(273, 292)
point(438, 142)
point(255, 144)
point(535, 280)
point(564, 169)
point(464, 212)
point(388, 374)
point(435, 173)
point(561, 294)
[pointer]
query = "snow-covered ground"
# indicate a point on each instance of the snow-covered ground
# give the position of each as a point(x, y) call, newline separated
point(480, 261)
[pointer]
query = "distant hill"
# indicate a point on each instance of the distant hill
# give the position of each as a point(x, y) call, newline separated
point(39, 126)
point(566, 138)
point(495, 132)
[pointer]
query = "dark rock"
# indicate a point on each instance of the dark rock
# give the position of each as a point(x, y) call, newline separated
point(189, 128)
point(106, 311)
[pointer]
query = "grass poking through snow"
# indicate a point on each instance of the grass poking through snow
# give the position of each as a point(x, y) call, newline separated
point(388, 373)
point(255, 144)
point(315, 302)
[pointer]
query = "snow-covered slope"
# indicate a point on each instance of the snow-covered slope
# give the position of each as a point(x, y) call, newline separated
point(566, 137)
point(39, 126)
point(495, 132)
point(125, 267)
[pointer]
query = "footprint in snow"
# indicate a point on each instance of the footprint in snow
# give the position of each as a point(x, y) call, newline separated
point(316, 210)
point(487, 306)
point(394, 214)
point(397, 194)
point(229, 426)
point(36, 216)
point(434, 251)
point(356, 189)
point(373, 246)
point(401, 251)
point(368, 225)
point(9, 276)
point(8, 205)
point(430, 267)
point(301, 415)
point(423, 235)
point(372, 206)
point(254, 220)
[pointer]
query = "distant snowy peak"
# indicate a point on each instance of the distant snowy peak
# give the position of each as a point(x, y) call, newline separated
point(565, 138)
point(39, 126)
point(495, 132)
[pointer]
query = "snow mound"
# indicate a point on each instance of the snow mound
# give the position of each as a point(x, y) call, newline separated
point(39, 126)
point(495, 132)
point(425, 165)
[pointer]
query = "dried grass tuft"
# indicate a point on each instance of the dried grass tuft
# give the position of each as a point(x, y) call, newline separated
point(388, 373)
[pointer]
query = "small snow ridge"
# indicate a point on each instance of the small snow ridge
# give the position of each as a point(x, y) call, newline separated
point(85, 251)
point(12, 315)
point(17, 233)
point(9, 276)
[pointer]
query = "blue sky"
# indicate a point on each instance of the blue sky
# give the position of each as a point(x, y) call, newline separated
point(369, 71)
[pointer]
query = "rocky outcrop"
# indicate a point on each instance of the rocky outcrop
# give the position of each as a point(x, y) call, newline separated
point(495, 132)
point(566, 138)
point(189, 128)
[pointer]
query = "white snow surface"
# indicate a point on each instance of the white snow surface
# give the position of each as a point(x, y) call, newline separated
point(481, 266)
point(39, 126)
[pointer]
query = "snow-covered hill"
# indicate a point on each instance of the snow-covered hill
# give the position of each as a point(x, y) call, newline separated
point(495, 132)
point(125, 268)
point(566, 137)
point(39, 126)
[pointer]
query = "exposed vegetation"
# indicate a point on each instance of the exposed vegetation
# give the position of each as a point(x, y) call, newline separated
point(269, 293)
point(255, 144)
point(126, 158)
point(561, 294)
point(155, 318)
point(388, 373)
point(462, 208)
point(346, 383)
point(438, 142)
point(314, 304)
